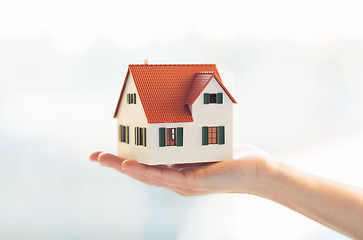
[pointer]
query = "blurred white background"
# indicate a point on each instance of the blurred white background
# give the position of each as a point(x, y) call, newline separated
point(295, 68)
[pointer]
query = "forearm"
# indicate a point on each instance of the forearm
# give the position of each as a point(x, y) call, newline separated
point(335, 205)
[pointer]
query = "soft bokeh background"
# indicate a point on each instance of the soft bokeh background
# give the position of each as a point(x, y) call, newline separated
point(295, 68)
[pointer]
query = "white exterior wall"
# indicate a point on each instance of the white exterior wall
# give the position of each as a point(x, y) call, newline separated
point(132, 115)
point(192, 149)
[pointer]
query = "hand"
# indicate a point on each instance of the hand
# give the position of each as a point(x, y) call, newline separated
point(241, 174)
point(335, 205)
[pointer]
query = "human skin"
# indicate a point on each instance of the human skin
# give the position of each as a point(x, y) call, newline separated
point(253, 171)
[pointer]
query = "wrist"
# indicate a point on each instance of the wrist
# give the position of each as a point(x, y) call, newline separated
point(264, 175)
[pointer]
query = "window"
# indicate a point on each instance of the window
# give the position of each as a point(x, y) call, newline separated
point(131, 98)
point(213, 98)
point(140, 136)
point(171, 137)
point(124, 134)
point(213, 135)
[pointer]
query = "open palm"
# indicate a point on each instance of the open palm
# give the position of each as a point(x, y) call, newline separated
point(237, 175)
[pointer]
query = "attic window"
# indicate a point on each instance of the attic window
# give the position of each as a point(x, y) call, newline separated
point(131, 98)
point(213, 98)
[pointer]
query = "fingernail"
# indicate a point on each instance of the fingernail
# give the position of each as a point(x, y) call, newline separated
point(104, 161)
point(123, 167)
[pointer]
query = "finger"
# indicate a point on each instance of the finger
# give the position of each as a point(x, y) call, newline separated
point(113, 161)
point(167, 175)
point(110, 160)
point(94, 156)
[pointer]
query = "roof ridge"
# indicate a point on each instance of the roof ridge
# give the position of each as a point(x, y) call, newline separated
point(197, 64)
point(205, 72)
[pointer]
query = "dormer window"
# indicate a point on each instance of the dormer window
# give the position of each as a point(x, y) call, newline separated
point(131, 98)
point(213, 98)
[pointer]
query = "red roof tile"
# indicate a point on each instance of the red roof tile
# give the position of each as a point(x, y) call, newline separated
point(199, 83)
point(165, 90)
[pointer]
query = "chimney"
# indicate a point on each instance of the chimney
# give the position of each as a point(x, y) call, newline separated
point(146, 61)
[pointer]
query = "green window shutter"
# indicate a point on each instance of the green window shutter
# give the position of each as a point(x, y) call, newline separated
point(161, 137)
point(122, 132)
point(135, 136)
point(127, 135)
point(119, 132)
point(138, 137)
point(219, 98)
point(134, 98)
point(205, 135)
point(144, 137)
point(128, 98)
point(221, 137)
point(206, 98)
point(179, 136)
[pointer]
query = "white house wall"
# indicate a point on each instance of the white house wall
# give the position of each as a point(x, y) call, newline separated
point(132, 115)
point(192, 149)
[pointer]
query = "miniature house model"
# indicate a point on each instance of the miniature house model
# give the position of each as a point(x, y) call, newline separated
point(168, 114)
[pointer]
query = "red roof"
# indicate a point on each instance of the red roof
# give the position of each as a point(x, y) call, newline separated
point(166, 90)
point(199, 83)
